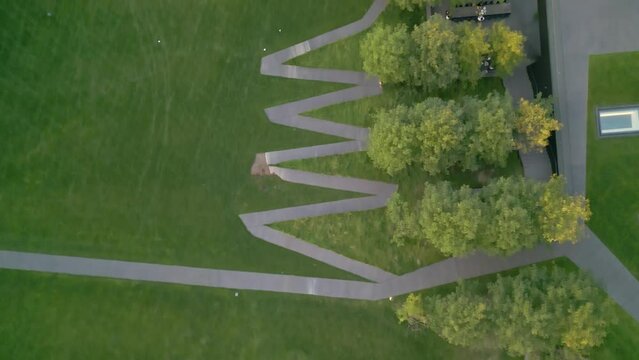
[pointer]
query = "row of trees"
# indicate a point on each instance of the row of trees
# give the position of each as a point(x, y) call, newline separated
point(438, 52)
point(411, 5)
point(505, 216)
point(540, 313)
point(440, 134)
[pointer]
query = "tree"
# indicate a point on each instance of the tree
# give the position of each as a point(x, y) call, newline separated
point(461, 317)
point(412, 312)
point(471, 50)
point(562, 215)
point(540, 310)
point(451, 219)
point(385, 51)
point(535, 124)
point(513, 214)
point(403, 220)
point(491, 123)
point(507, 47)
point(435, 65)
point(393, 140)
point(411, 5)
point(440, 134)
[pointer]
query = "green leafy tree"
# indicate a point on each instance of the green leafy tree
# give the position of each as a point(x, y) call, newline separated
point(461, 317)
point(513, 209)
point(403, 220)
point(507, 47)
point(450, 219)
point(412, 312)
point(411, 5)
point(440, 134)
point(540, 311)
point(535, 124)
point(562, 215)
point(471, 50)
point(393, 140)
point(385, 52)
point(435, 65)
point(491, 124)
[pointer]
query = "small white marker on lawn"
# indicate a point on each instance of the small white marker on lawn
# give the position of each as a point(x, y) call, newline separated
point(264, 49)
point(390, 298)
point(49, 13)
point(280, 30)
point(159, 41)
point(236, 293)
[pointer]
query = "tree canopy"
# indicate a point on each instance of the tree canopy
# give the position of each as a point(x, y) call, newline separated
point(506, 216)
point(562, 216)
point(459, 317)
point(385, 51)
point(539, 311)
point(412, 312)
point(451, 220)
point(403, 220)
point(535, 123)
point(437, 53)
point(411, 5)
point(393, 140)
point(491, 124)
point(435, 64)
point(440, 135)
point(472, 49)
point(507, 47)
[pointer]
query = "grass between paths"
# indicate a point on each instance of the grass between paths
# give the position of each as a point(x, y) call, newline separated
point(612, 167)
point(128, 128)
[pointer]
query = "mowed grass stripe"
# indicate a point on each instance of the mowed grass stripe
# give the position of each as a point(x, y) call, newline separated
point(115, 145)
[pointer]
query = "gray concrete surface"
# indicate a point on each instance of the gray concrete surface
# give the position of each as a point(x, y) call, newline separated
point(578, 29)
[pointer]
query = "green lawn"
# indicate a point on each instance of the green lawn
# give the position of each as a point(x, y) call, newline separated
point(62, 317)
point(72, 317)
point(612, 170)
point(115, 145)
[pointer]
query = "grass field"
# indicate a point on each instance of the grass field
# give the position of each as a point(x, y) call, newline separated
point(128, 128)
point(365, 236)
point(115, 145)
point(61, 317)
point(612, 168)
point(64, 317)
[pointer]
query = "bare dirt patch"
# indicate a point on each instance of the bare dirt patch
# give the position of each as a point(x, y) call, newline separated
point(260, 167)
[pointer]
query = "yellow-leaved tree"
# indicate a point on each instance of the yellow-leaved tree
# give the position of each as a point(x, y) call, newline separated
point(562, 215)
point(535, 124)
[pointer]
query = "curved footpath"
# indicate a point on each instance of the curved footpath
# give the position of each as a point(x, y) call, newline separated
point(383, 284)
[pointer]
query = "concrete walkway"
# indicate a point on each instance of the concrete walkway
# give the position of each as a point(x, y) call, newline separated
point(569, 18)
point(536, 164)
point(578, 29)
point(589, 254)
